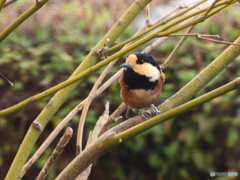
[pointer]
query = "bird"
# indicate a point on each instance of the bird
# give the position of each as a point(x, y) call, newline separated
point(141, 83)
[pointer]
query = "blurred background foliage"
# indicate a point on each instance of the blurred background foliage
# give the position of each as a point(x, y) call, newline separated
point(46, 49)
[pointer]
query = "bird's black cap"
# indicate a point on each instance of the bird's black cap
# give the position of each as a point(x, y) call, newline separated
point(143, 57)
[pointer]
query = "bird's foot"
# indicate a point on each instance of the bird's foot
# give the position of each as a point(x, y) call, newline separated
point(154, 110)
point(146, 114)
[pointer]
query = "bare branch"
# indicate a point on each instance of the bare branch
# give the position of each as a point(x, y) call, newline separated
point(156, 43)
point(173, 53)
point(56, 153)
point(209, 9)
point(118, 111)
point(99, 127)
point(86, 106)
point(6, 79)
point(180, 43)
point(9, 2)
point(217, 41)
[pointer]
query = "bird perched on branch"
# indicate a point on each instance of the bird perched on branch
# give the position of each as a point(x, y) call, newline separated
point(141, 83)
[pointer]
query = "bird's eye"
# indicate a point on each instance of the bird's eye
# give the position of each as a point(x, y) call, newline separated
point(140, 61)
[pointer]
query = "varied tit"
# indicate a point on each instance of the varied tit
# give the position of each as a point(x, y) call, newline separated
point(141, 83)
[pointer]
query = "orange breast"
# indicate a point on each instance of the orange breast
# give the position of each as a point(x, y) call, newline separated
point(139, 98)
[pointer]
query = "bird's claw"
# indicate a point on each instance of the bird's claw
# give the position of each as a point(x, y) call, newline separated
point(154, 109)
point(144, 113)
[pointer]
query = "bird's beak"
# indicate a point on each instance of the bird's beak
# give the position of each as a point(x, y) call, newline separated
point(125, 65)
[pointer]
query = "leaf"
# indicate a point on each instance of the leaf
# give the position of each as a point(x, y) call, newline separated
point(171, 150)
point(155, 161)
point(232, 138)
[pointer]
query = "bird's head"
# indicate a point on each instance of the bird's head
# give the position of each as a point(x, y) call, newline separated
point(143, 64)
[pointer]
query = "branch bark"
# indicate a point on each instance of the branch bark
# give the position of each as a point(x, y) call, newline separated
point(56, 153)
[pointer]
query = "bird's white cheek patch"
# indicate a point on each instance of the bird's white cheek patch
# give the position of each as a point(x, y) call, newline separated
point(148, 70)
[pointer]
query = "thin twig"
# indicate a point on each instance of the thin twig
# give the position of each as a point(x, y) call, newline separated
point(99, 127)
point(56, 153)
point(173, 53)
point(160, 40)
point(156, 43)
point(208, 10)
point(6, 79)
point(84, 175)
point(163, 20)
point(86, 107)
point(9, 2)
point(115, 115)
point(163, 39)
point(194, 35)
point(180, 6)
point(205, 37)
point(146, 24)
point(217, 41)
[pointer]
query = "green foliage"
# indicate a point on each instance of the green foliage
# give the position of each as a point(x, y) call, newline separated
point(232, 138)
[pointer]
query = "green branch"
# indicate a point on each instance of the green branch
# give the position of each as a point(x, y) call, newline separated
point(186, 25)
point(109, 59)
point(140, 128)
point(203, 78)
point(108, 141)
point(61, 85)
point(208, 10)
point(43, 118)
point(170, 24)
point(2, 2)
point(152, 28)
point(21, 18)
